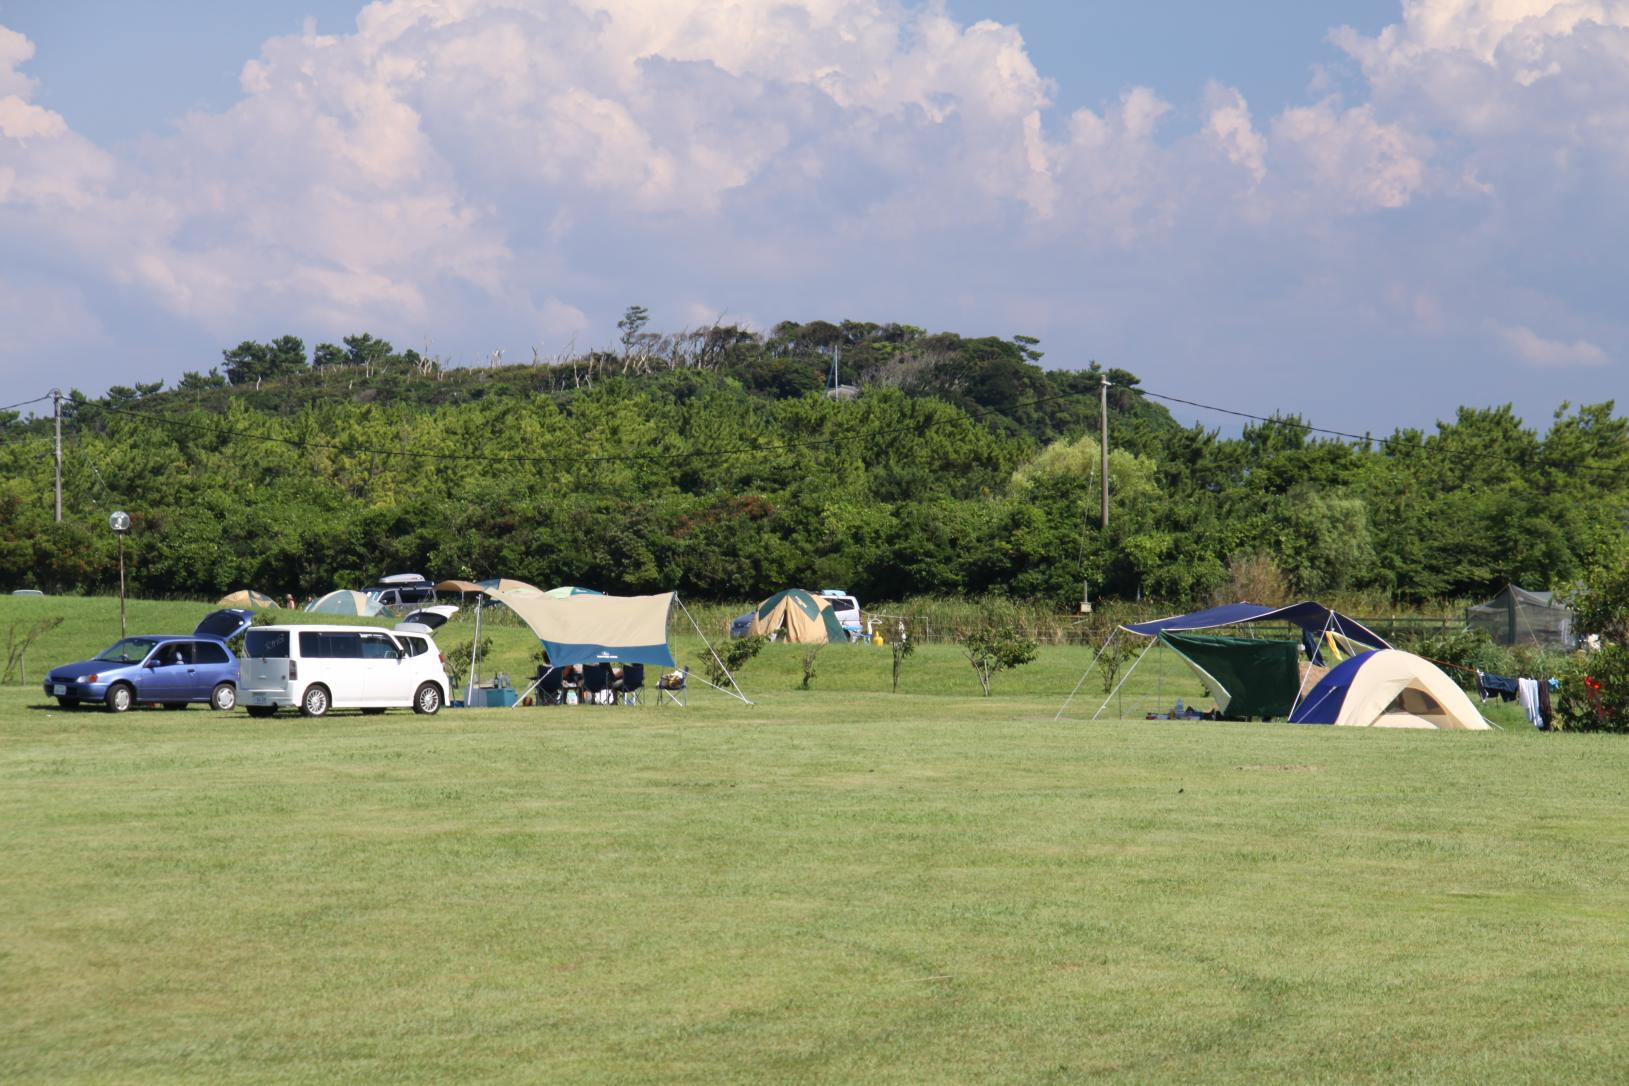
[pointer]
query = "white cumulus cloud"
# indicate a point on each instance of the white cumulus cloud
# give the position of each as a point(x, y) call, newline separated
point(483, 172)
point(1535, 350)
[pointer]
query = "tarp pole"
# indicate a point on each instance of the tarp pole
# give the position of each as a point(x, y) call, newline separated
point(475, 643)
point(535, 684)
point(697, 626)
point(1083, 678)
point(1301, 691)
point(1123, 679)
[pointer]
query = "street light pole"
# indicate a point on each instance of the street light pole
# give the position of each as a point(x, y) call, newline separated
point(56, 409)
point(120, 523)
point(1103, 428)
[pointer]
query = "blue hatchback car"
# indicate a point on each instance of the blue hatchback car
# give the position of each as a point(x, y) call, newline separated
point(171, 669)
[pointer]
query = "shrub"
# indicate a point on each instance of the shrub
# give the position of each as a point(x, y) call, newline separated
point(809, 656)
point(732, 657)
point(901, 649)
point(1000, 649)
point(458, 660)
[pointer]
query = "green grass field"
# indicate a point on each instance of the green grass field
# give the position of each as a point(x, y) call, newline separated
point(837, 885)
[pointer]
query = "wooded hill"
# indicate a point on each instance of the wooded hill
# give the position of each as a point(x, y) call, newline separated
point(712, 462)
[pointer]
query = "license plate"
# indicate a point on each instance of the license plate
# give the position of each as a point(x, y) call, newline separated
point(59, 689)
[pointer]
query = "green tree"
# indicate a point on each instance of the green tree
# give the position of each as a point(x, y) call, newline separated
point(633, 322)
point(365, 351)
point(995, 650)
point(328, 354)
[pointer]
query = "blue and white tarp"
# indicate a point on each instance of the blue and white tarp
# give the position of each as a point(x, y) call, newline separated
point(598, 629)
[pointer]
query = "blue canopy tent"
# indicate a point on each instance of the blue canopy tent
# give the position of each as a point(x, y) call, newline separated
point(1316, 622)
point(596, 629)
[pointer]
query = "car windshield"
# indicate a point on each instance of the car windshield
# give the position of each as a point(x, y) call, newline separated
point(129, 651)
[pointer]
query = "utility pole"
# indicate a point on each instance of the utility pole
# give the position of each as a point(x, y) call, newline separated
point(56, 409)
point(1103, 431)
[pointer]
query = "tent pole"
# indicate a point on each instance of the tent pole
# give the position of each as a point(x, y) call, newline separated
point(739, 693)
point(1122, 682)
point(475, 643)
point(1115, 633)
point(1301, 691)
point(535, 684)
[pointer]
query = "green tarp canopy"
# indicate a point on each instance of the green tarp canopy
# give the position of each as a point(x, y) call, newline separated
point(1247, 677)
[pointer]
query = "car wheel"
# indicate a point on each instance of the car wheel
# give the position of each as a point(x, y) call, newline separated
point(68, 703)
point(120, 697)
point(427, 700)
point(261, 710)
point(224, 697)
point(315, 702)
point(372, 711)
point(174, 705)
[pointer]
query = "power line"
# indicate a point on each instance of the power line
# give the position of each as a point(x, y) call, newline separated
point(25, 403)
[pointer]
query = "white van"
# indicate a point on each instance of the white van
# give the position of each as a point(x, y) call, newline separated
point(847, 611)
point(341, 667)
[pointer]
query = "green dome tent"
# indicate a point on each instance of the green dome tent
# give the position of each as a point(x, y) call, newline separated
point(343, 601)
point(796, 616)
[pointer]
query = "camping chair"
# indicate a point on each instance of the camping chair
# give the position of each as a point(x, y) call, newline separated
point(550, 690)
point(597, 684)
point(672, 686)
point(633, 680)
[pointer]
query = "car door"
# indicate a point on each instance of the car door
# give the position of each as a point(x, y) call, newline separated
point(212, 664)
point(334, 659)
point(165, 676)
point(384, 671)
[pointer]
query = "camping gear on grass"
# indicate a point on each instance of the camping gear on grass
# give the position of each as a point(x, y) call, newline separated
point(247, 597)
point(1325, 634)
point(1389, 689)
point(796, 616)
point(1246, 676)
point(344, 601)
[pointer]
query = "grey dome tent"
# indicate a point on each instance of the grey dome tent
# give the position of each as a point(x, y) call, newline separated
point(1518, 617)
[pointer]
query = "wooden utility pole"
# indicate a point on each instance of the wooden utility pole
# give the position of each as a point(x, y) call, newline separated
point(56, 409)
point(1103, 431)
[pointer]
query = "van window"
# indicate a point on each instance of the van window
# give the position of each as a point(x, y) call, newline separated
point(330, 646)
point(416, 646)
point(377, 647)
point(205, 653)
point(267, 644)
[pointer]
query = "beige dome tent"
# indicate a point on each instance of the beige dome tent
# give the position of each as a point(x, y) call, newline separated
point(1389, 689)
point(247, 597)
point(796, 616)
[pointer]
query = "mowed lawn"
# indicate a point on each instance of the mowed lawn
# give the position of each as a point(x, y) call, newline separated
point(825, 887)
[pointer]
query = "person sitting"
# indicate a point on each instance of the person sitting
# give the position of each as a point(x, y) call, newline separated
point(571, 683)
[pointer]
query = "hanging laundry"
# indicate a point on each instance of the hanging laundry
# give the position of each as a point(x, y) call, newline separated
point(1545, 716)
point(1527, 694)
point(1495, 686)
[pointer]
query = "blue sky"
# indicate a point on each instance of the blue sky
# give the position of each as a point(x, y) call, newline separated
point(1251, 207)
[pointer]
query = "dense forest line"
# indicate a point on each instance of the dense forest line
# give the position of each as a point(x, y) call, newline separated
point(715, 462)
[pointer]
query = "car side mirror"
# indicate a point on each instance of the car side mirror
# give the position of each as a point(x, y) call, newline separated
point(150, 663)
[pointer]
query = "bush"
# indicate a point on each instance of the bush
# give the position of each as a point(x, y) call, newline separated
point(1000, 649)
point(901, 650)
point(810, 654)
point(732, 657)
point(1595, 692)
point(458, 660)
